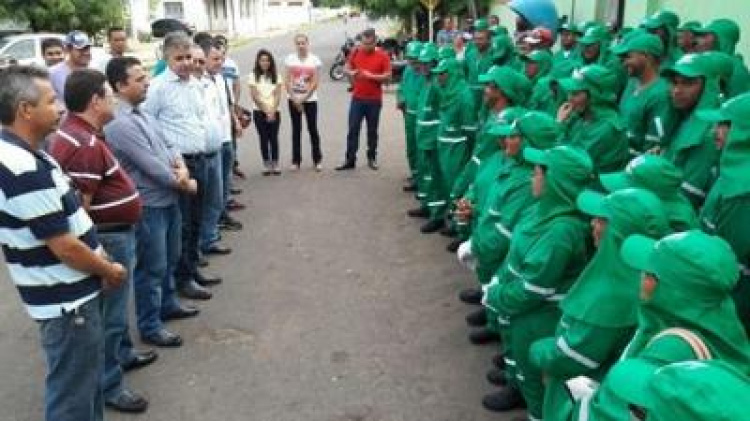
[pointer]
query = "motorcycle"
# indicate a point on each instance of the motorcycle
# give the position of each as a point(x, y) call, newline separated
point(337, 68)
point(390, 45)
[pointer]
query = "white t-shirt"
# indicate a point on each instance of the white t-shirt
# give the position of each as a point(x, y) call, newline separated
point(302, 72)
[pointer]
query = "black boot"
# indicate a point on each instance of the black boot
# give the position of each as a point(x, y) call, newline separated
point(483, 336)
point(471, 296)
point(497, 377)
point(477, 318)
point(453, 246)
point(448, 231)
point(499, 361)
point(418, 213)
point(432, 226)
point(506, 399)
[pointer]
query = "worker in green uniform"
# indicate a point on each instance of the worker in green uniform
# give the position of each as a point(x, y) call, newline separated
point(590, 118)
point(456, 132)
point(727, 207)
point(686, 38)
point(686, 311)
point(548, 251)
point(686, 391)
point(723, 35)
point(600, 313)
point(595, 49)
point(664, 24)
point(407, 98)
point(694, 86)
point(644, 105)
point(659, 176)
point(478, 59)
point(565, 60)
point(538, 67)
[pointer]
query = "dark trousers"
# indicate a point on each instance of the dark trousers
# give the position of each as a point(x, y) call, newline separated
point(363, 110)
point(311, 116)
point(191, 210)
point(268, 134)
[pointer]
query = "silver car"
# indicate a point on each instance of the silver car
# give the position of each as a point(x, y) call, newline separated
point(27, 48)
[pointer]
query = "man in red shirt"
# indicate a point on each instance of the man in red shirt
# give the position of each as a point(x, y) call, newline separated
point(368, 67)
point(114, 205)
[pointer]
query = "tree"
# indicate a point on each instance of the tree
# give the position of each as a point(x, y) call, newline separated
point(90, 16)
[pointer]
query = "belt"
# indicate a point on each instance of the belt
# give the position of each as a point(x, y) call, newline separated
point(193, 156)
point(112, 228)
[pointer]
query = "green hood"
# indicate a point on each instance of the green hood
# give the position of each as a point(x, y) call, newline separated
point(727, 34)
point(454, 86)
point(515, 86)
point(696, 275)
point(599, 81)
point(568, 172)
point(502, 49)
point(428, 53)
point(537, 130)
point(597, 34)
point(544, 59)
point(606, 293)
point(669, 21)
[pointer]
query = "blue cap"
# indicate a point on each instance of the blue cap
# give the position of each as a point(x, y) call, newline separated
point(77, 39)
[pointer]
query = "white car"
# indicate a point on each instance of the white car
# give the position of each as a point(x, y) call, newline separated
point(27, 48)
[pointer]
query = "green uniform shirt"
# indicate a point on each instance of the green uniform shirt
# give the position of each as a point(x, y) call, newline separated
point(647, 113)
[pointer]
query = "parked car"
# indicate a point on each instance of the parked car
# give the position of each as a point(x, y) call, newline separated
point(27, 48)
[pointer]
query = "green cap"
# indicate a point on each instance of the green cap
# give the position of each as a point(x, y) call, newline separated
point(651, 172)
point(429, 53)
point(537, 56)
point(513, 84)
point(599, 81)
point(499, 30)
point(641, 42)
point(413, 49)
point(690, 25)
point(446, 51)
point(663, 18)
point(620, 204)
point(734, 111)
point(704, 261)
point(570, 27)
point(569, 160)
point(445, 65)
point(595, 34)
point(539, 129)
point(691, 66)
point(721, 28)
point(481, 25)
point(502, 45)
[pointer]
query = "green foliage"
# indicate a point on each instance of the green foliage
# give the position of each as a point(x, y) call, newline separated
point(90, 16)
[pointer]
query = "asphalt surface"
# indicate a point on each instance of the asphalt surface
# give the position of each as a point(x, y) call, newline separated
point(334, 306)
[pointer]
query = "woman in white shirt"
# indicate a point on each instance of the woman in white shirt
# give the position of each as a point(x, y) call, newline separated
point(265, 88)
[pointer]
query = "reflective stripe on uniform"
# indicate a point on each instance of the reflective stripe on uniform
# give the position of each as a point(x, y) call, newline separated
point(709, 223)
point(503, 230)
point(659, 127)
point(446, 139)
point(571, 353)
point(476, 160)
point(437, 203)
point(692, 189)
point(493, 212)
point(537, 289)
point(428, 122)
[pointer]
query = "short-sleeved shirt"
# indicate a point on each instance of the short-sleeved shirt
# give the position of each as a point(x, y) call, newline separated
point(87, 160)
point(266, 89)
point(37, 202)
point(301, 72)
point(376, 62)
point(58, 74)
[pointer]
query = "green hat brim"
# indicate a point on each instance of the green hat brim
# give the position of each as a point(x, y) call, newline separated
point(485, 78)
point(593, 203)
point(440, 68)
point(535, 156)
point(613, 182)
point(713, 116)
point(682, 70)
point(588, 40)
point(632, 378)
point(503, 130)
point(636, 251)
point(572, 85)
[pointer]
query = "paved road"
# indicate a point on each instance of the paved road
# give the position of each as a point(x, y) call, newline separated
point(334, 308)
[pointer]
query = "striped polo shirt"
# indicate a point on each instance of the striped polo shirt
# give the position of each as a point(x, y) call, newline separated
point(37, 202)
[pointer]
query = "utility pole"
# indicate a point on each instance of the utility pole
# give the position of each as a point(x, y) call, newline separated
point(431, 5)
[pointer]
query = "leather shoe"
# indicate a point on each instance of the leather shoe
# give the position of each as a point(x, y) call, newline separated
point(140, 359)
point(471, 296)
point(477, 318)
point(206, 281)
point(217, 250)
point(373, 164)
point(499, 361)
point(483, 336)
point(411, 187)
point(193, 291)
point(453, 246)
point(506, 399)
point(448, 231)
point(163, 339)
point(202, 262)
point(128, 401)
point(182, 312)
point(227, 223)
point(235, 191)
point(346, 166)
point(432, 226)
point(497, 377)
point(418, 213)
point(234, 205)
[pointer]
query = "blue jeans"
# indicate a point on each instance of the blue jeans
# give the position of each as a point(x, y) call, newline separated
point(191, 210)
point(158, 249)
point(363, 110)
point(74, 348)
point(118, 348)
point(227, 162)
point(213, 201)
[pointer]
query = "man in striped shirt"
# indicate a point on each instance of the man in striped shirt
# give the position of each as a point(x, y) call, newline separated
point(110, 198)
point(51, 248)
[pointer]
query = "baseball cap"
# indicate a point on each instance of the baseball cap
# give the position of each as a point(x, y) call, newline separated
point(652, 172)
point(77, 39)
point(640, 41)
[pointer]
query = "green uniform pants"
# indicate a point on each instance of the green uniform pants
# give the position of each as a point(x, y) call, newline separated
point(410, 126)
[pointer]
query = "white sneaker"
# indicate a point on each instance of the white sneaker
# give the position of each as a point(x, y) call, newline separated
point(295, 167)
point(318, 167)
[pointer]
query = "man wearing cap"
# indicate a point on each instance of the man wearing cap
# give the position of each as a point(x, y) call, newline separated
point(690, 267)
point(591, 335)
point(78, 50)
point(478, 59)
point(591, 120)
point(595, 49)
point(723, 35)
point(664, 24)
point(659, 176)
point(644, 105)
point(694, 86)
point(564, 60)
point(727, 207)
point(407, 97)
point(544, 94)
point(547, 253)
point(686, 38)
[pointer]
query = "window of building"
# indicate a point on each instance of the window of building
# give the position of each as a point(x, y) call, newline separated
point(174, 10)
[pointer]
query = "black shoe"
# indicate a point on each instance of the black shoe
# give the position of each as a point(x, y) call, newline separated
point(182, 312)
point(346, 166)
point(202, 262)
point(448, 231)
point(411, 187)
point(217, 250)
point(471, 296)
point(453, 246)
point(432, 226)
point(497, 377)
point(163, 339)
point(140, 359)
point(506, 399)
point(128, 401)
point(477, 318)
point(483, 336)
point(207, 281)
point(499, 361)
point(235, 191)
point(418, 213)
point(227, 223)
point(373, 164)
point(193, 291)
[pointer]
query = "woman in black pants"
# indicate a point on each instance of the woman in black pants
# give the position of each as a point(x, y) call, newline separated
point(265, 88)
